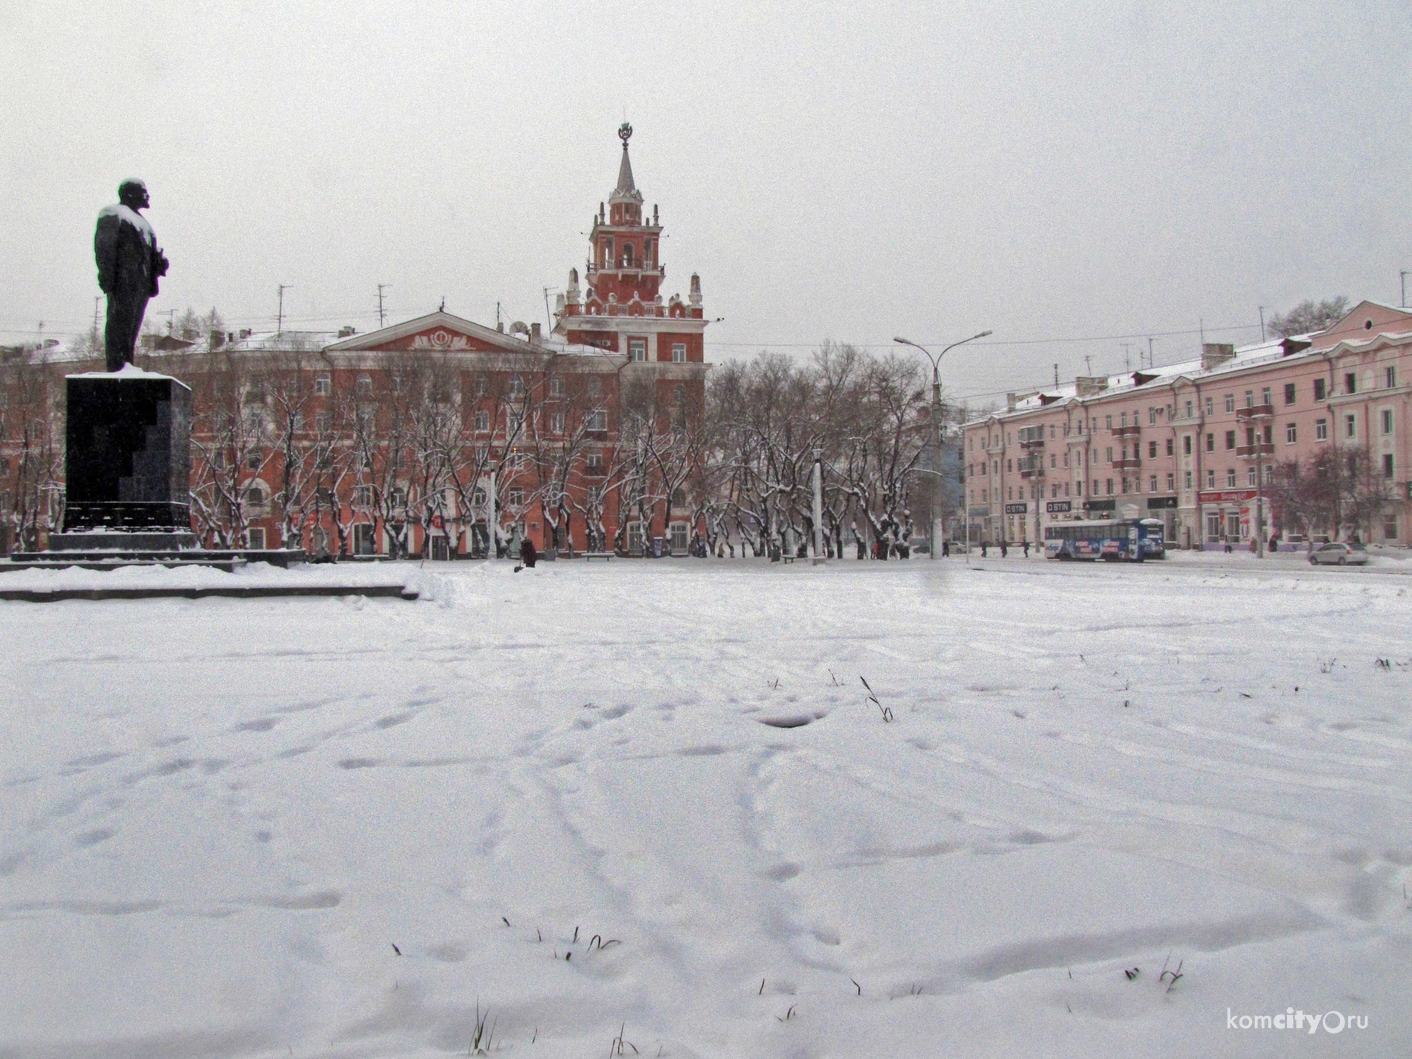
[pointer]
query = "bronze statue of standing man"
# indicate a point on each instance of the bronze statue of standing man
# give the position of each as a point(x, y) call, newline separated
point(129, 262)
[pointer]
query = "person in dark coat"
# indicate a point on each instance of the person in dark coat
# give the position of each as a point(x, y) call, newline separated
point(983, 549)
point(1004, 548)
point(1026, 545)
point(129, 262)
point(527, 553)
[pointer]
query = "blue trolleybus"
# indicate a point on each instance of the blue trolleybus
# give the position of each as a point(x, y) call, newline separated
point(1129, 539)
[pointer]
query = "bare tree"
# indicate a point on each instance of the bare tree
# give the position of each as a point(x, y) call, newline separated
point(1307, 317)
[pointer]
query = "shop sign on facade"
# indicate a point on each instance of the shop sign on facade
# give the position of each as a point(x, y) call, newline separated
point(1058, 507)
point(1157, 503)
point(1100, 505)
point(1017, 509)
point(1225, 496)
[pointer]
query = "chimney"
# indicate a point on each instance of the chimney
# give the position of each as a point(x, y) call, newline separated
point(534, 333)
point(1088, 385)
point(346, 332)
point(1214, 354)
point(1009, 402)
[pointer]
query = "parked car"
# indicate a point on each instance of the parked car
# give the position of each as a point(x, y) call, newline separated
point(1338, 553)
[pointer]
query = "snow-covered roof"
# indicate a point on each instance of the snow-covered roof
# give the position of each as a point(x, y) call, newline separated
point(1243, 358)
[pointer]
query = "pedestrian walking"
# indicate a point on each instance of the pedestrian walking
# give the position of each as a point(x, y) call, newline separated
point(1027, 548)
point(1004, 548)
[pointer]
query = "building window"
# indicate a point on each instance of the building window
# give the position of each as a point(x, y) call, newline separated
point(1291, 433)
point(1321, 389)
point(255, 496)
point(556, 423)
point(1388, 466)
point(255, 538)
point(595, 463)
point(364, 386)
point(1390, 527)
point(1265, 395)
point(515, 497)
point(1230, 439)
point(482, 421)
point(1230, 478)
point(1186, 444)
point(1350, 425)
point(1386, 416)
point(1390, 380)
point(1109, 483)
point(637, 348)
point(679, 541)
point(1230, 402)
point(1350, 382)
point(253, 461)
point(678, 352)
point(1290, 393)
point(1249, 398)
point(598, 420)
point(323, 385)
point(322, 422)
point(1321, 430)
point(1171, 481)
point(595, 387)
point(1210, 478)
point(1152, 485)
point(1186, 480)
point(556, 386)
point(362, 496)
point(1250, 476)
point(1210, 442)
point(517, 386)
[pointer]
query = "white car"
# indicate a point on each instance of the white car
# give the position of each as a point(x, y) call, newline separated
point(1337, 553)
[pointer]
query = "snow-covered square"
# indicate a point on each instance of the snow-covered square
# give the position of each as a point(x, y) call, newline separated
point(652, 808)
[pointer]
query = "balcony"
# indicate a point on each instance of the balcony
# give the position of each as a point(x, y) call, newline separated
point(1259, 411)
point(1127, 432)
point(1031, 437)
point(1130, 464)
point(1031, 466)
point(1250, 452)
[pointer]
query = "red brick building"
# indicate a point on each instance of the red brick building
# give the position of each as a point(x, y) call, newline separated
point(397, 441)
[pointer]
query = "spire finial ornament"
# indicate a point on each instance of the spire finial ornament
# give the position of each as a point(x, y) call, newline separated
point(625, 134)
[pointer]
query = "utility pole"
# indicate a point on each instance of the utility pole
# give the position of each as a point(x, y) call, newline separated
point(97, 302)
point(1151, 361)
point(279, 325)
point(548, 319)
point(1404, 289)
point(382, 317)
point(1262, 321)
point(1088, 365)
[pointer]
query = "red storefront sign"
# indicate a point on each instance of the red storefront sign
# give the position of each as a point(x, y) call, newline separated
point(1225, 496)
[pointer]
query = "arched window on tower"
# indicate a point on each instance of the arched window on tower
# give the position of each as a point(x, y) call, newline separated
point(627, 255)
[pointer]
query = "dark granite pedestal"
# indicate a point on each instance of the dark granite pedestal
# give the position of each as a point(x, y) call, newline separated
point(128, 456)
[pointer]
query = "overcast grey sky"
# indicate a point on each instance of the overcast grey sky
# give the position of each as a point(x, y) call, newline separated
point(1073, 170)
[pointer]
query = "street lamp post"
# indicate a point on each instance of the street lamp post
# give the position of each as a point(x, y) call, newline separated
point(936, 432)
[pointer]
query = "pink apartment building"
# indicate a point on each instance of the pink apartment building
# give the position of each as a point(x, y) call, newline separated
point(1197, 444)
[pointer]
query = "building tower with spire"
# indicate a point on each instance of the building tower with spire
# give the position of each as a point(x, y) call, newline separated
point(622, 309)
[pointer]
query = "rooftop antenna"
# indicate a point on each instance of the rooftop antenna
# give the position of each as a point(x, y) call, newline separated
point(1127, 358)
point(171, 319)
point(1088, 365)
point(382, 317)
point(497, 316)
point(1151, 363)
point(548, 319)
point(1056, 376)
point(1262, 321)
point(279, 325)
point(442, 307)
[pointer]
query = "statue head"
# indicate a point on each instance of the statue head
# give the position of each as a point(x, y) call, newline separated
point(132, 193)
